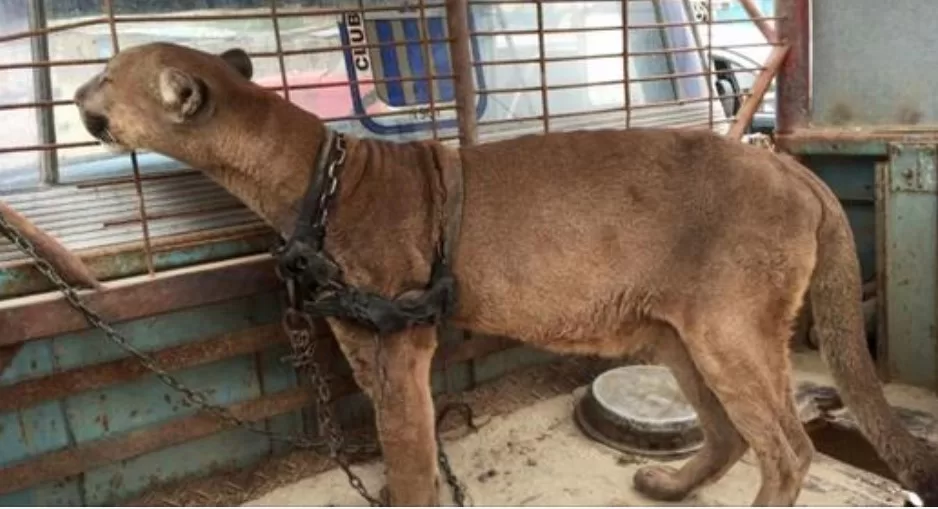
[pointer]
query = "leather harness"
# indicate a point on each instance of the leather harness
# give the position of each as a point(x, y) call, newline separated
point(315, 281)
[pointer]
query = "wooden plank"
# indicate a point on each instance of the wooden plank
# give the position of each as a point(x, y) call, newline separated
point(49, 315)
point(58, 385)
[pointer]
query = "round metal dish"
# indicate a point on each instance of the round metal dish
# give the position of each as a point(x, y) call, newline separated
point(639, 410)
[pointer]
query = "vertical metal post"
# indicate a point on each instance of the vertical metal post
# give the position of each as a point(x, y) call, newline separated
point(42, 88)
point(542, 64)
point(108, 7)
point(424, 32)
point(794, 79)
point(908, 249)
point(457, 21)
point(626, 82)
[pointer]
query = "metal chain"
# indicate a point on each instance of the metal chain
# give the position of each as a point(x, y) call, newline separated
point(197, 398)
point(332, 183)
point(299, 328)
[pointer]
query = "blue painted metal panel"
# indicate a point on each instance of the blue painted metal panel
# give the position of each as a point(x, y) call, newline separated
point(66, 493)
point(157, 332)
point(234, 448)
point(143, 402)
point(275, 378)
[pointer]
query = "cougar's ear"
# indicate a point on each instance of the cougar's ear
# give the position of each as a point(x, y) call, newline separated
point(237, 58)
point(183, 95)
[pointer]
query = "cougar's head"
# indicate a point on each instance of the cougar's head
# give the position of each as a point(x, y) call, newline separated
point(158, 96)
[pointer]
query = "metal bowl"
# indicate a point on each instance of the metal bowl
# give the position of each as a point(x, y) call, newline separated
point(639, 410)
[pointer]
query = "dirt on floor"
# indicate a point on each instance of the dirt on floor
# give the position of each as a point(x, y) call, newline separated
point(537, 456)
point(505, 395)
point(529, 451)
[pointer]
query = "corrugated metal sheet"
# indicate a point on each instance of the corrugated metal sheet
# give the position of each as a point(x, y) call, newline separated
point(107, 214)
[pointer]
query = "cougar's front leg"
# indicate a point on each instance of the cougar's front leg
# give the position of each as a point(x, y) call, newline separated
point(397, 380)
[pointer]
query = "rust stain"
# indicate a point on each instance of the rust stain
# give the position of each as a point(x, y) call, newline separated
point(7, 354)
point(160, 295)
point(840, 114)
point(24, 433)
point(909, 116)
point(74, 460)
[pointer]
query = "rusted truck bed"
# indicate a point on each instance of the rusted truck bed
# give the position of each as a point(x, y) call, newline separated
point(529, 451)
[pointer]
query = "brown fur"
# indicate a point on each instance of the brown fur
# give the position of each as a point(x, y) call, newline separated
point(684, 244)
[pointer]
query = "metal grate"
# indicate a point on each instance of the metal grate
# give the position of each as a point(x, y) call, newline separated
point(371, 68)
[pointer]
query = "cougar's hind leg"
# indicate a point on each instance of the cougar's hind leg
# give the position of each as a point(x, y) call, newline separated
point(723, 445)
point(733, 356)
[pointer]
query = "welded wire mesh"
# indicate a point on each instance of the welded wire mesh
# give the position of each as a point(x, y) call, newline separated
point(371, 68)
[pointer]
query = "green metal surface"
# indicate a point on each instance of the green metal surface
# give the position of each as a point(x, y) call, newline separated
point(910, 225)
point(140, 404)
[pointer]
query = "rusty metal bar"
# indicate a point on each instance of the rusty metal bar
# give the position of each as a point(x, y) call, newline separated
point(748, 109)
point(793, 93)
point(457, 19)
point(259, 14)
point(625, 64)
point(332, 49)
point(108, 6)
point(757, 17)
point(658, 77)
point(279, 45)
point(28, 393)
point(424, 34)
point(51, 30)
point(607, 28)
point(59, 146)
point(709, 62)
point(375, 81)
point(50, 315)
point(545, 110)
point(647, 106)
point(142, 210)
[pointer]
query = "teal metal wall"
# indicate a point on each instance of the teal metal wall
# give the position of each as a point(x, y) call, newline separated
point(888, 188)
point(83, 424)
point(90, 417)
point(855, 102)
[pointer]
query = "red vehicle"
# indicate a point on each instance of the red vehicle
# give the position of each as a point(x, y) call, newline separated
point(325, 94)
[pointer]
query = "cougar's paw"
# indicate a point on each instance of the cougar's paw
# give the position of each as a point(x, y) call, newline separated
point(659, 482)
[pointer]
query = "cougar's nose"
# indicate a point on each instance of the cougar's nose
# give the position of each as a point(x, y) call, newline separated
point(96, 125)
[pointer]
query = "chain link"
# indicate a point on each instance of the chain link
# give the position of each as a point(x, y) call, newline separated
point(299, 328)
point(332, 183)
point(195, 397)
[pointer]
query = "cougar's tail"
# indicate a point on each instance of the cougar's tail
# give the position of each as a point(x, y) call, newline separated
point(838, 317)
point(71, 268)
